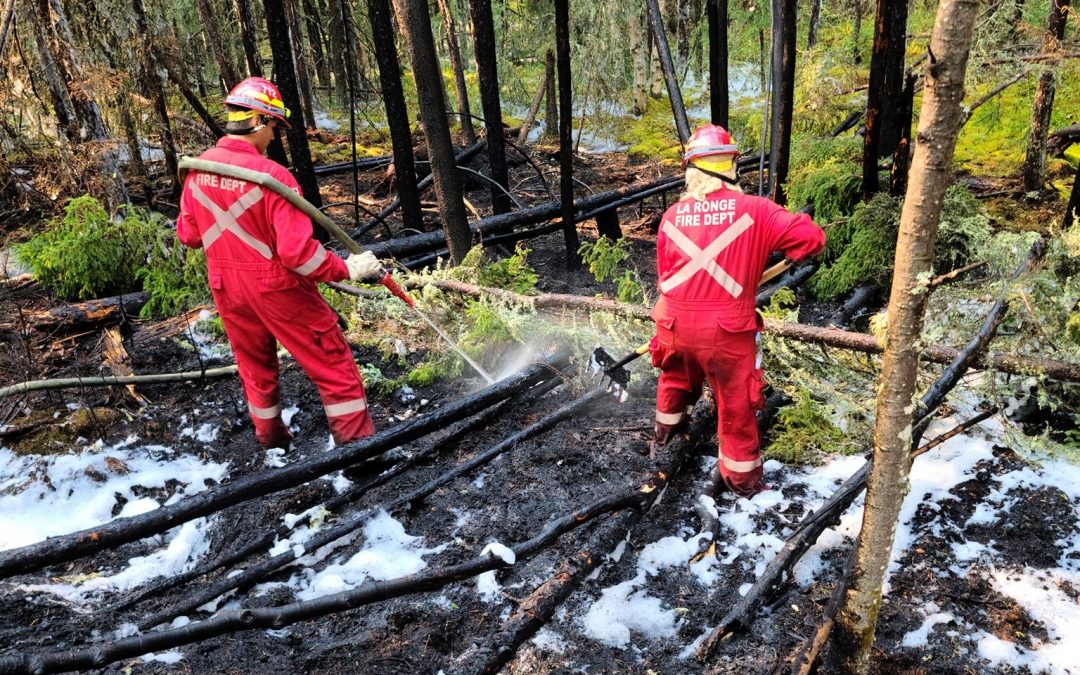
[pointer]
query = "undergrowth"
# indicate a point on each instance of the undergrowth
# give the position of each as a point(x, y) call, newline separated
point(804, 433)
point(85, 255)
point(604, 259)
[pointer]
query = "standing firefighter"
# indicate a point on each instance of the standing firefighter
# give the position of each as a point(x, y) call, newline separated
point(710, 254)
point(263, 265)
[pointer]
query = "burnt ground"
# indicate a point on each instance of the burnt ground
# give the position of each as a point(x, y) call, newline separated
point(601, 451)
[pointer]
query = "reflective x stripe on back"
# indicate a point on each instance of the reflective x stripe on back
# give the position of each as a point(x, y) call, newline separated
point(705, 259)
point(225, 221)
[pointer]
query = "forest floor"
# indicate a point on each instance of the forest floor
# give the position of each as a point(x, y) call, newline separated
point(985, 574)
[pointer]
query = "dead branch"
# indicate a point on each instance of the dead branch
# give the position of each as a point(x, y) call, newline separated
point(124, 530)
point(955, 274)
point(117, 360)
point(538, 608)
point(116, 380)
point(1061, 139)
point(970, 110)
point(87, 314)
point(356, 521)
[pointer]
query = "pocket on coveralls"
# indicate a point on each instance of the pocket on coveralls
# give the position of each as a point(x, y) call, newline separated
point(276, 281)
point(756, 388)
point(664, 340)
point(327, 336)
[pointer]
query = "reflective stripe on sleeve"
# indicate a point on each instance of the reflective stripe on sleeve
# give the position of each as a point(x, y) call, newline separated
point(737, 466)
point(669, 418)
point(345, 408)
point(265, 413)
point(312, 263)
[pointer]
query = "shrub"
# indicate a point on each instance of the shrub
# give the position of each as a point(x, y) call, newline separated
point(804, 432)
point(859, 250)
point(604, 256)
point(513, 273)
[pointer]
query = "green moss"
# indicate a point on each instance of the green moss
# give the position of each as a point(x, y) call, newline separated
point(430, 372)
point(859, 250)
point(376, 383)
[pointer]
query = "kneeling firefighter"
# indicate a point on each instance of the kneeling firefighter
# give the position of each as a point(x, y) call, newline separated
point(711, 250)
point(263, 265)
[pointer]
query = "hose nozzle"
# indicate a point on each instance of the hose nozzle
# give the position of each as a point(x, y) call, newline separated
point(396, 289)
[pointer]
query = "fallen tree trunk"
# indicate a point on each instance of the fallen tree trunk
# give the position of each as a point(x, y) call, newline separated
point(354, 522)
point(116, 380)
point(124, 530)
point(364, 164)
point(232, 621)
point(87, 314)
point(538, 608)
point(431, 241)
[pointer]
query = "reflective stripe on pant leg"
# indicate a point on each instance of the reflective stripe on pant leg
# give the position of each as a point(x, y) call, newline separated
point(270, 413)
point(345, 407)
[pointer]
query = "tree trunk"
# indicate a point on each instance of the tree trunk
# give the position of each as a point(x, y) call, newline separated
point(718, 61)
point(551, 123)
point(306, 116)
point(134, 146)
point(1035, 157)
point(59, 95)
point(397, 113)
point(210, 26)
point(5, 24)
point(783, 65)
point(566, 121)
point(656, 71)
point(314, 28)
point(656, 21)
point(416, 24)
point(462, 92)
point(886, 81)
point(249, 38)
point(938, 125)
point(483, 26)
point(856, 29)
point(682, 34)
point(902, 156)
point(155, 91)
point(534, 108)
point(815, 24)
point(639, 56)
point(277, 29)
point(337, 52)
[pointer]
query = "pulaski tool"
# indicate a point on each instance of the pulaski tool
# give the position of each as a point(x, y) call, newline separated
point(269, 182)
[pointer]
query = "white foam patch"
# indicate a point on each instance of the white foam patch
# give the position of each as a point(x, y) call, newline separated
point(169, 657)
point(918, 637)
point(488, 587)
point(623, 608)
point(549, 641)
point(388, 552)
point(45, 496)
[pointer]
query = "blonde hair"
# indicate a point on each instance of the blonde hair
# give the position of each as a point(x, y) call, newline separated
point(699, 184)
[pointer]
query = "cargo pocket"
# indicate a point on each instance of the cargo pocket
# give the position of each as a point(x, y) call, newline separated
point(663, 342)
point(327, 336)
point(214, 279)
point(756, 386)
point(276, 281)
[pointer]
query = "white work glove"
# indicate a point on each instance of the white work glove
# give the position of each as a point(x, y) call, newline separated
point(363, 266)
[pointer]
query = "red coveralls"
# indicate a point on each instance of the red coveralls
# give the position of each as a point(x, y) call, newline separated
point(710, 255)
point(263, 265)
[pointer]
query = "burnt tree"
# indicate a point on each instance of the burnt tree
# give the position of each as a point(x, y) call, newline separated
point(718, 61)
point(460, 90)
point(1035, 157)
point(783, 78)
point(656, 22)
point(277, 29)
point(566, 153)
point(306, 117)
point(939, 123)
point(883, 123)
point(416, 24)
point(248, 37)
point(483, 26)
point(210, 26)
point(155, 90)
point(397, 113)
point(551, 121)
point(314, 28)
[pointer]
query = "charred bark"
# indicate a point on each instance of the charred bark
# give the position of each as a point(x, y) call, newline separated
point(413, 14)
point(210, 26)
point(248, 37)
point(277, 29)
point(462, 92)
point(487, 71)
point(534, 108)
point(6, 22)
point(1034, 170)
point(902, 156)
point(886, 79)
point(814, 24)
point(783, 78)
point(1072, 211)
point(718, 61)
point(124, 530)
point(316, 38)
point(397, 113)
point(300, 63)
point(566, 113)
point(551, 119)
point(678, 110)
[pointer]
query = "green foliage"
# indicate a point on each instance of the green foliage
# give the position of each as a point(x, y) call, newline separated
point(779, 303)
point(964, 230)
point(627, 288)
point(430, 372)
point(860, 249)
point(804, 432)
point(513, 273)
point(828, 175)
point(85, 254)
point(1072, 328)
point(487, 329)
point(376, 383)
point(604, 256)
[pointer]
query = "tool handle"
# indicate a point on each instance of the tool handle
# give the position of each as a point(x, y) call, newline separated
point(396, 289)
point(628, 358)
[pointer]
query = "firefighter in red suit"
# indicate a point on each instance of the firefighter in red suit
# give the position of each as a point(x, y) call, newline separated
point(711, 250)
point(263, 265)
